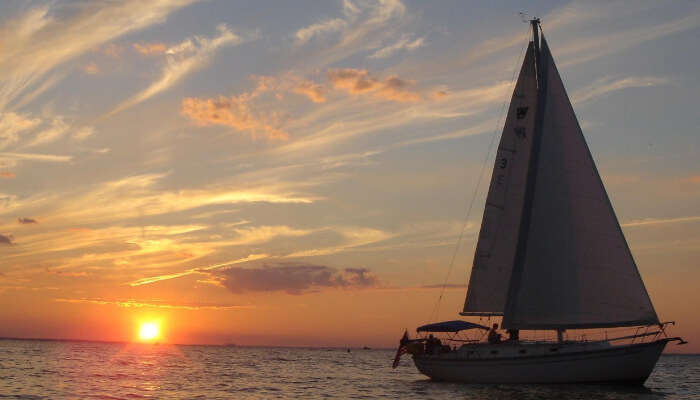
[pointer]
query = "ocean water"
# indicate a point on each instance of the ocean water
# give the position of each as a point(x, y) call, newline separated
point(86, 370)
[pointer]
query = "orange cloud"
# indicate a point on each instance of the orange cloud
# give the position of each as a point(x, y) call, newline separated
point(149, 49)
point(91, 69)
point(359, 82)
point(7, 175)
point(113, 50)
point(692, 179)
point(312, 90)
point(234, 111)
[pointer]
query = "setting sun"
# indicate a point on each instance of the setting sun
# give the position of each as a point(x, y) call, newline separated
point(149, 331)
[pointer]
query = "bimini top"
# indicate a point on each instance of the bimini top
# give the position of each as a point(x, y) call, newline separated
point(449, 326)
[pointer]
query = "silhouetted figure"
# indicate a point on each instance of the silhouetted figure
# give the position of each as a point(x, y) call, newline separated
point(432, 344)
point(494, 337)
point(513, 335)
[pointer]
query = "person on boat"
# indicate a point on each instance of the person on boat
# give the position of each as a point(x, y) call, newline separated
point(513, 335)
point(494, 337)
point(432, 344)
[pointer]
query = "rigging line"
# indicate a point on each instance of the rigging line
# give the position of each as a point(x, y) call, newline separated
point(436, 309)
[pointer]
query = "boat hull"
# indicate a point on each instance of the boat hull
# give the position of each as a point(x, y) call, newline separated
point(630, 364)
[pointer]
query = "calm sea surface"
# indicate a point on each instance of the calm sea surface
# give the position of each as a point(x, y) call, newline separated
point(84, 370)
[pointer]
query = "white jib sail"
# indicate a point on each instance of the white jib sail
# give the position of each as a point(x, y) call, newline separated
point(495, 250)
point(578, 271)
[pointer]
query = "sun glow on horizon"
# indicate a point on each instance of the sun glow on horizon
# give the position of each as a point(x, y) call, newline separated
point(149, 331)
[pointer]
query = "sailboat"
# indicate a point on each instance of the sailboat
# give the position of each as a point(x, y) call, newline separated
point(551, 256)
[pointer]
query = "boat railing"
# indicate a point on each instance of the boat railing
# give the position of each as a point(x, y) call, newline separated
point(634, 335)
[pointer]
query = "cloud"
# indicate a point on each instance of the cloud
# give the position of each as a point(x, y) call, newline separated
point(83, 133)
point(7, 175)
point(16, 129)
point(236, 112)
point(445, 286)
point(91, 69)
point(405, 43)
point(113, 50)
point(312, 90)
point(588, 48)
point(604, 86)
point(198, 270)
point(149, 49)
point(25, 220)
point(35, 42)
point(138, 195)
point(659, 221)
point(363, 26)
point(354, 238)
point(293, 278)
point(12, 125)
point(35, 157)
point(132, 303)
point(183, 59)
point(58, 127)
point(303, 35)
point(359, 82)
point(6, 240)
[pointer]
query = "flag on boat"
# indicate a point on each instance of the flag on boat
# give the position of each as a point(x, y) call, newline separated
point(401, 350)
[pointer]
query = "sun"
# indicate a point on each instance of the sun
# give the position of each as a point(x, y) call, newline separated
point(149, 331)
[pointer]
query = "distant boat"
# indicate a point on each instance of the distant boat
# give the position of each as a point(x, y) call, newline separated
point(550, 256)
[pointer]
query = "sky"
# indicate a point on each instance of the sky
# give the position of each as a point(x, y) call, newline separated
point(300, 173)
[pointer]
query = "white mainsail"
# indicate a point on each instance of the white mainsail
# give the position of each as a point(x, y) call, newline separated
point(551, 253)
point(495, 251)
point(578, 271)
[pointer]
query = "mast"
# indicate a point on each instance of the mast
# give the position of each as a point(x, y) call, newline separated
point(521, 247)
point(536, 41)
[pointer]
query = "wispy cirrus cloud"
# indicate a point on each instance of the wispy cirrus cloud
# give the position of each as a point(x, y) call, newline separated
point(173, 305)
point(183, 59)
point(405, 43)
point(149, 49)
point(661, 221)
point(197, 270)
point(37, 41)
point(56, 129)
point(305, 34)
point(362, 26)
point(607, 85)
point(12, 125)
point(139, 195)
point(10, 159)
